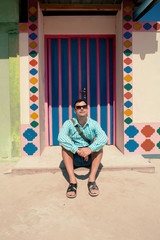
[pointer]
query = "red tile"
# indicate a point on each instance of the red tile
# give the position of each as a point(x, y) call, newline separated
point(147, 145)
point(147, 131)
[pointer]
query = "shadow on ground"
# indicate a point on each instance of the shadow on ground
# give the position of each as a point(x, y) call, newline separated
point(78, 174)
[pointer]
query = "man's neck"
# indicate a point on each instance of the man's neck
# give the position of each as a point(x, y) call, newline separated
point(82, 121)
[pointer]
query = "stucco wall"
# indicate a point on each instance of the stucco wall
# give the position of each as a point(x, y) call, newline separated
point(9, 80)
point(146, 84)
point(119, 84)
point(79, 25)
point(9, 11)
point(14, 89)
point(5, 136)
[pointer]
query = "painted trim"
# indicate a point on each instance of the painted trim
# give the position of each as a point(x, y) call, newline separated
point(59, 84)
point(79, 70)
point(80, 36)
point(46, 93)
point(98, 82)
point(69, 79)
point(108, 95)
point(114, 91)
point(50, 93)
point(88, 77)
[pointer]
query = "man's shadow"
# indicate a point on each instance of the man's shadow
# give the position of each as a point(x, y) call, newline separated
point(78, 176)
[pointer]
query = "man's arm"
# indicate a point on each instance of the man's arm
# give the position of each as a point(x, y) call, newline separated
point(99, 142)
point(64, 138)
point(101, 139)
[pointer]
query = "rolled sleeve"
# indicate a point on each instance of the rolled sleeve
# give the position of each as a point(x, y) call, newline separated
point(100, 141)
point(65, 140)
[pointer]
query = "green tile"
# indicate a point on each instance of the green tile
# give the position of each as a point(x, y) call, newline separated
point(34, 124)
point(128, 86)
point(34, 89)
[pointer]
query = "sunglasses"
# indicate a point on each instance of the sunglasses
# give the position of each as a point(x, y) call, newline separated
point(82, 106)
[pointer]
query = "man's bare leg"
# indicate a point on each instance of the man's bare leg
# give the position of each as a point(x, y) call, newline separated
point(96, 159)
point(68, 161)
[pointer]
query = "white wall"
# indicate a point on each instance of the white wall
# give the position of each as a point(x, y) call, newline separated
point(41, 80)
point(79, 25)
point(119, 83)
point(146, 77)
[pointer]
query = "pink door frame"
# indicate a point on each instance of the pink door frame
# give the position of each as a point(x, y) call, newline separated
point(48, 100)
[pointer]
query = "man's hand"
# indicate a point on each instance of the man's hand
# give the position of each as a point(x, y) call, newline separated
point(84, 152)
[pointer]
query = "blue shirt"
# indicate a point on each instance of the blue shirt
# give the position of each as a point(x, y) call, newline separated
point(70, 139)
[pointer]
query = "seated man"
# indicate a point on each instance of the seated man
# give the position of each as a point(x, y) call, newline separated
point(81, 152)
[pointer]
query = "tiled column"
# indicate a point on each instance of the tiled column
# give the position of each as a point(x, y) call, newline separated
point(30, 132)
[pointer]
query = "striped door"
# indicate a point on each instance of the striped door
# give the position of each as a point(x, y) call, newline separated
point(74, 64)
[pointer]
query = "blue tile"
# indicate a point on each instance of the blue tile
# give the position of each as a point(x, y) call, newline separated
point(131, 131)
point(30, 134)
point(128, 104)
point(34, 107)
point(131, 145)
point(127, 35)
point(147, 26)
point(33, 36)
point(30, 148)
point(33, 71)
point(128, 69)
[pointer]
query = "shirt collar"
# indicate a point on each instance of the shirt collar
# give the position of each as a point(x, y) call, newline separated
point(76, 122)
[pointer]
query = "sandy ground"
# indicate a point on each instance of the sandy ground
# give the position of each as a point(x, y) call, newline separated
point(35, 206)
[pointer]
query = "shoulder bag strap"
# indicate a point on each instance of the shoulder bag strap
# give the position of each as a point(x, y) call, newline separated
point(80, 132)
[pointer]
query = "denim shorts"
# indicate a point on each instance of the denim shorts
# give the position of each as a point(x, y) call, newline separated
point(80, 162)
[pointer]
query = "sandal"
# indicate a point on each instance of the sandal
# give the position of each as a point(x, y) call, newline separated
point(93, 186)
point(72, 188)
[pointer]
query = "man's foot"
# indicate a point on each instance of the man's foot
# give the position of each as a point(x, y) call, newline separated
point(72, 190)
point(93, 189)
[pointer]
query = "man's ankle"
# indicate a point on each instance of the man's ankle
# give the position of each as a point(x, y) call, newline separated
point(91, 179)
point(73, 180)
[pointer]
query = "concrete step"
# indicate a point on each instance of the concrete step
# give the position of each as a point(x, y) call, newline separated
point(51, 161)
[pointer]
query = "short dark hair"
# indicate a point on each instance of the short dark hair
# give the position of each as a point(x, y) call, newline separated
point(78, 101)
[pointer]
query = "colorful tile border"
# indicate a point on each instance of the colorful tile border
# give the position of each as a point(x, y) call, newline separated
point(30, 133)
point(139, 138)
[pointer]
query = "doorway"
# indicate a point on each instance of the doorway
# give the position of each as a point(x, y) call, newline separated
point(81, 67)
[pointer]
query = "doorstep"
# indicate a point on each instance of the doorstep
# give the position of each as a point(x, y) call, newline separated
point(51, 161)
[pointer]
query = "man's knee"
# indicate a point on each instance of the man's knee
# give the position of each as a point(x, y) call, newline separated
point(97, 154)
point(65, 151)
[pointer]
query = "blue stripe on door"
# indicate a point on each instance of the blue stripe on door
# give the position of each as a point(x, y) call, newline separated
point(111, 84)
point(93, 78)
point(83, 65)
point(103, 83)
point(64, 72)
point(54, 76)
point(74, 71)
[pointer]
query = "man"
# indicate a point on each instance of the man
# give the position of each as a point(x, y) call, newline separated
point(78, 152)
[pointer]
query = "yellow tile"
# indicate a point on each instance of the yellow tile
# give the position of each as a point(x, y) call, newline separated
point(137, 26)
point(34, 116)
point(127, 9)
point(127, 78)
point(127, 44)
point(23, 27)
point(33, 45)
point(33, 80)
point(128, 112)
point(32, 10)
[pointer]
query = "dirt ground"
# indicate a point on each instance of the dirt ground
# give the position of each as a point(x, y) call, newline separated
point(35, 207)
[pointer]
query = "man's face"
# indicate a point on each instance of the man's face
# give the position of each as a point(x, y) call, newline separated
point(81, 109)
